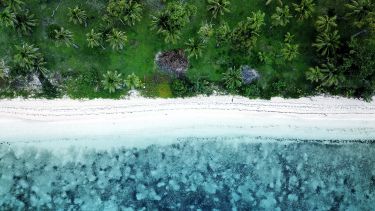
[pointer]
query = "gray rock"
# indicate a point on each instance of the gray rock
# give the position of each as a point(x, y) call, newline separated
point(249, 75)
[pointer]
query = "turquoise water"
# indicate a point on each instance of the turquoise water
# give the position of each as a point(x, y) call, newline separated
point(250, 173)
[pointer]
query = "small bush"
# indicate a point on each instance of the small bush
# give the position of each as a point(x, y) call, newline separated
point(181, 88)
point(252, 91)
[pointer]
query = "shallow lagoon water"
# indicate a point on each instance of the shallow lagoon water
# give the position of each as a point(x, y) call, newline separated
point(201, 162)
point(232, 173)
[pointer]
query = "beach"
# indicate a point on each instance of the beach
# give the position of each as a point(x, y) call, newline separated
point(138, 121)
point(274, 153)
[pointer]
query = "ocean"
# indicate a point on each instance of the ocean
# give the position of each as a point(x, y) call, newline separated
point(183, 160)
point(236, 170)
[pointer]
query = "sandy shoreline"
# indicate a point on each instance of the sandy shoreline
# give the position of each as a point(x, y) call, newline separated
point(67, 109)
point(148, 121)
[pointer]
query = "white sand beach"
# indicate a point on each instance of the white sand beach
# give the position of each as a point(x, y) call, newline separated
point(59, 122)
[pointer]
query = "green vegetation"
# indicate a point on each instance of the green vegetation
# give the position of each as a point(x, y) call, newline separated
point(104, 48)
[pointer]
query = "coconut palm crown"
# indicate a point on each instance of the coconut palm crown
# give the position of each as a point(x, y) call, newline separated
point(112, 81)
point(327, 43)
point(77, 15)
point(218, 7)
point(117, 39)
point(93, 38)
point(63, 36)
point(26, 56)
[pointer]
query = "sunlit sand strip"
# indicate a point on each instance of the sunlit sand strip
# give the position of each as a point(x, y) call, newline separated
point(139, 122)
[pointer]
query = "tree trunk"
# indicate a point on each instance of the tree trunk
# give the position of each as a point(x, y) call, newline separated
point(359, 33)
point(54, 11)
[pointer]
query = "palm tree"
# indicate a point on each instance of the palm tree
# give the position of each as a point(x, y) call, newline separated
point(218, 7)
point(281, 17)
point(132, 12)
point(327, 43)
point(14, 5)
point(128, 12)
point(280, 2)
point(325, 23)
point(63, 36)
point(117, 39)
point(171, 20)
point(162, 24)
point(304, 9)
point(314, 74)
point(330, 75)
point(256, 20)
point(232, 79)
point(171, 37)
point(25, 22)
point(132, 81)
point(194, 47)
point(289, 51)
point(361, 10)
point(288, 38)
point(26, 56)
point(7, 18)
point(222, 32)
point(93, 38)
point(39, 65)
point(205, 32)
point(112, 81)
point(77, 15)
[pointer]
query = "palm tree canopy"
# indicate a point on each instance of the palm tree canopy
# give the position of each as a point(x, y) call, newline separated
point(112, 81)
point(288, 38)
point(206, 31)
point(304, 9)
point(327, 43)
point(314, 74)
point(362, 10)
point(77, 15)
point(222, 32)
point(170, 21)
point(281, 17)
point(280, 2)
point(126, 11)
point(25, 22)
point(218, 7)
point(117, 39)
point(194, 47)
point(132, 81)
point(14, 5)
point(290, 51)
point(64, 36)
point(232, 79)
point(325, 23)
point(7, 18)
point(256, 20)
point(93, 38)
point(26, 56)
